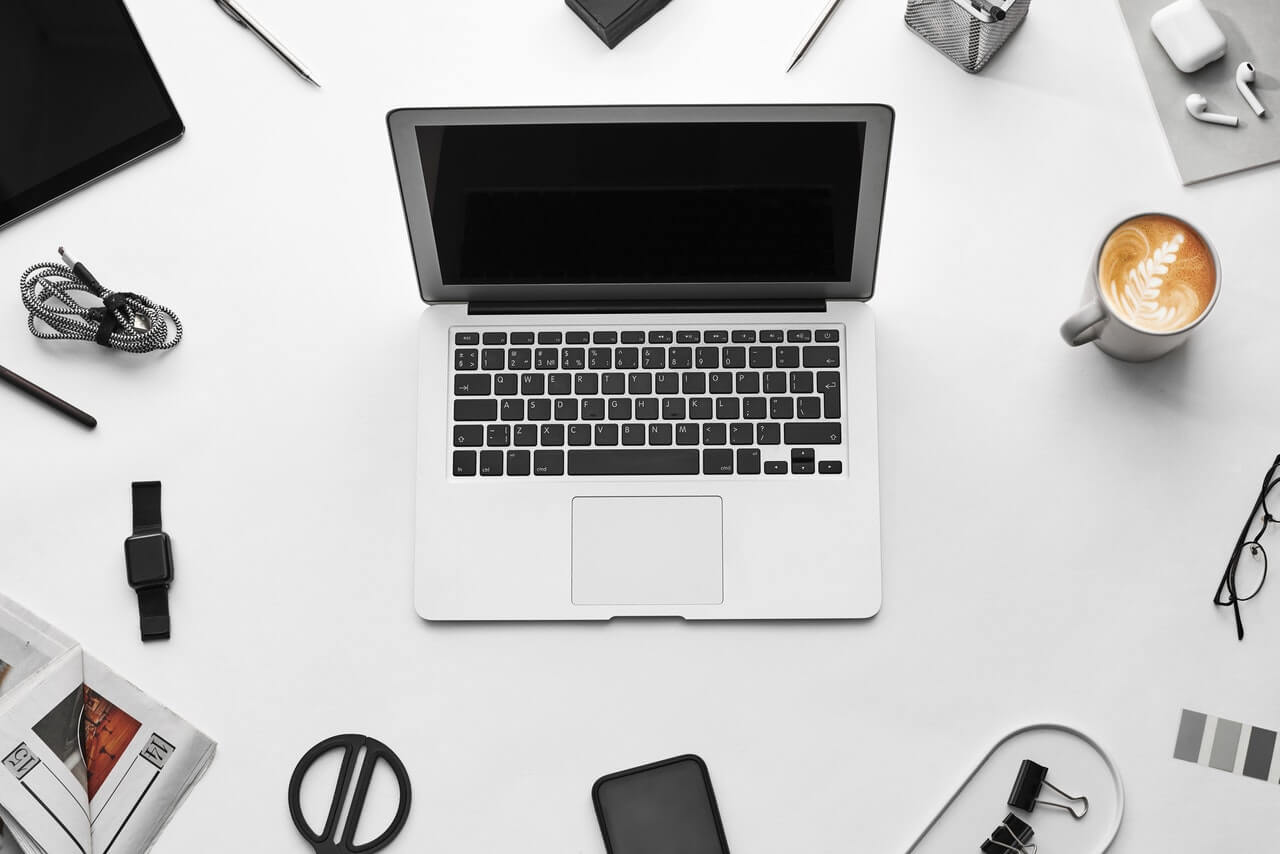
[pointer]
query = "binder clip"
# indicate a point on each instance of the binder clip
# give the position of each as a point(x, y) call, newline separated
point(1026, 791)
point(1012, 834)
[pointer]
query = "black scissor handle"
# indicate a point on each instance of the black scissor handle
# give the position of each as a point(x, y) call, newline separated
point(326, 841)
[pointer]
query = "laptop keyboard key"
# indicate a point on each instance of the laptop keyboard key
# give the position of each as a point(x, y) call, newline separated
point(566, 409)
point(747, 382)
point(687, 434)
point(573, 358)
point(647, 409)
point(531, 384)
point(632, 337)
point(768, 434)
point(720, 382)
point(693, 382)
point(829, 387)
point(522, 338)
point(633, 434)
point(604, 338)
point(809, 407)
point(585, 384)
point(642, 462)
point(546, 359)
point(664, 337)
point(688, 336)
point(673, 409)
point(549, 338)
point(660, 434)
point(716, 336)
point(653, 358)
point(493, 359)
point(830, 467)
point(577, 338)
point(717, 462)
point(788, 357)
point(606, 435)
point(472, 385)
point(626, 358)
point(599, 358)
point(504, 384)
point(540, 409)
point(519, 359)
point(620, 409)
point(512, 409)
point(666, 382)
point(822, 357)
point(468, 435)
point(707, 358)
point(526, 435)
point(812, 433)
point(760, 357)
point(552, 435)
point(727, 409)
point(466, 360)
point(593, 409)
point(517, 463)
point(714, 434)
point(579, 435)
point(781, 408)
point(548, 463)
point(741, 434)
point(748, 461)
point(744, 336)
point(491, 463)
point(475, 410)
point(613, 383)
point(755, 408)
point(802, 382)
point(466, 338)
point(639, 383)
point(799, 336)
point(826, 336)
point(498, 436)
point(680, 358)
point(494, 338)
point(775, 382)
point(464, 463)
point(734, 357)
point(701, 408)
point(775, 468)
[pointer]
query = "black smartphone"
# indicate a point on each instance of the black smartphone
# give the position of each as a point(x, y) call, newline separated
point(666, 807)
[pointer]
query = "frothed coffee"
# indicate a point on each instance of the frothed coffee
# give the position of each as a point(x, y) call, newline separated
point(1157, 273)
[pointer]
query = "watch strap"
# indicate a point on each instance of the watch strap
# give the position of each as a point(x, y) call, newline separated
point(146, 506)
point(153, 612)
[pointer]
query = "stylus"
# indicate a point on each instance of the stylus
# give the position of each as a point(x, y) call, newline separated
point(237, 13)
point(812, 36)
point(48, 399)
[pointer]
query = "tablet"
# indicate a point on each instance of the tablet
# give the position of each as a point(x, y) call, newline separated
point(80, 98)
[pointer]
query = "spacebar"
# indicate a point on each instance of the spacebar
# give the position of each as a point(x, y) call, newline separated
point(684, 461)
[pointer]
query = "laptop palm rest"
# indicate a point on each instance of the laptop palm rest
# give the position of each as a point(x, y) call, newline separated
point(648, 551)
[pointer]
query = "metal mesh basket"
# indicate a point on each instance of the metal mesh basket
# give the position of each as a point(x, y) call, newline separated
point(964, 33)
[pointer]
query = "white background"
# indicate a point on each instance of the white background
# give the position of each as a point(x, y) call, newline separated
point(1055, 522)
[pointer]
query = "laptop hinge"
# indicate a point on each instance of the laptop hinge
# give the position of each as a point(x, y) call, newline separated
point(648, 306)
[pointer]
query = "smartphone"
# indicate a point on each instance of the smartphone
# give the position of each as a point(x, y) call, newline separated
point(666, 807)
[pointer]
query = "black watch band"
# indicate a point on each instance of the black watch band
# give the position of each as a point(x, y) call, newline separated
point(151, 581)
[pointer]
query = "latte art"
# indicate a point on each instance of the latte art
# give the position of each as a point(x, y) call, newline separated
point(1157, 273)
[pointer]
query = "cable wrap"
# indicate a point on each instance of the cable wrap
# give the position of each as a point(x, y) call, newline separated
point(127, 322)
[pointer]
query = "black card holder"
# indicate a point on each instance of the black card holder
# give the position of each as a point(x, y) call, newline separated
point(614, 20)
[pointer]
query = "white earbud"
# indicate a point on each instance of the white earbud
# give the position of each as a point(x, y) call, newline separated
point(1244, 77)
point(1197, 105)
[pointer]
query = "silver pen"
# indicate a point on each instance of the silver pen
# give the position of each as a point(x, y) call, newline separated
point(237, 13)
point(813, 33)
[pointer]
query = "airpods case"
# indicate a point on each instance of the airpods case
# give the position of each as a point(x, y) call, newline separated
point(1188, 33)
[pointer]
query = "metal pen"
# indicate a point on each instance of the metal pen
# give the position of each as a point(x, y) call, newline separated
point(47, 398)
point(812, 35)
point(237, 13)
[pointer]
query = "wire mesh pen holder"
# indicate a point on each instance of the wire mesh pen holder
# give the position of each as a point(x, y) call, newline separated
point(968, 32)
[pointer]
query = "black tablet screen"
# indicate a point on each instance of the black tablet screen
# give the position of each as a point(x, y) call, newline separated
point(79, 96)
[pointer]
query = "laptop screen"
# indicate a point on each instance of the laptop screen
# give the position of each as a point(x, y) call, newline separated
point(717, 202)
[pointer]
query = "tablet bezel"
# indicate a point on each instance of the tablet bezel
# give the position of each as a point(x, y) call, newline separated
point(76, 176)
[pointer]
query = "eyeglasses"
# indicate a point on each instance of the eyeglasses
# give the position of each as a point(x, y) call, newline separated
point(1247, 568)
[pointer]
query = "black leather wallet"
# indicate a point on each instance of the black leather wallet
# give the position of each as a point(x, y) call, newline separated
point(614, 20)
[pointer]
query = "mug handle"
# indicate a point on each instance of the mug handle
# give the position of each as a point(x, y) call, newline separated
point(1085, 325)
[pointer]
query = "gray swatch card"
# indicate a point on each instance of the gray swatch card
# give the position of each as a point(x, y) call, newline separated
point(1202, 151)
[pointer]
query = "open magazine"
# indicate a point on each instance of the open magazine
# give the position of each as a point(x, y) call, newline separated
point(88, 763)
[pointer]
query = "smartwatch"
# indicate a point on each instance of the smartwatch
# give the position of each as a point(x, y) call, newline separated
point(148, 557)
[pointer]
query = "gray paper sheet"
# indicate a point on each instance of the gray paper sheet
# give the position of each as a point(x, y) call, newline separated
point(1203, 150)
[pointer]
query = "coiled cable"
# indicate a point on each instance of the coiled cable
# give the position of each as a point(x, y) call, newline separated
point(127, 322)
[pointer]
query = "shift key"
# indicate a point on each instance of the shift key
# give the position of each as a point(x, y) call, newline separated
point(811, 433)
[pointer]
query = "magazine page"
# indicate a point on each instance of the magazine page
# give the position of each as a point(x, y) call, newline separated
point(142, 761)
point(43, 773)
point(27, 644)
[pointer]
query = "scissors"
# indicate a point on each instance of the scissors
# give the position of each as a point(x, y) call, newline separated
point(327, 841)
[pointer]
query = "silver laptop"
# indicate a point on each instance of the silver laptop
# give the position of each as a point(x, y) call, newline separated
point(647, 370)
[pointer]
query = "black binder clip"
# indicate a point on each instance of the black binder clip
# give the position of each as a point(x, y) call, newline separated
point(1013, 834)
point(1026, 791)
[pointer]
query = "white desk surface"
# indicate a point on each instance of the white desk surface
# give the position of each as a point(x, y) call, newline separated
point(1055, 522)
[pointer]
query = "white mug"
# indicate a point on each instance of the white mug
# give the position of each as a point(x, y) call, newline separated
point(1095, 321)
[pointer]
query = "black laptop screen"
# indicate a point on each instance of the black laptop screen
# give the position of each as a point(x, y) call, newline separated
point(643, 203)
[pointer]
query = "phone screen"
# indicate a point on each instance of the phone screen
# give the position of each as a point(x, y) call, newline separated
point(664, 808)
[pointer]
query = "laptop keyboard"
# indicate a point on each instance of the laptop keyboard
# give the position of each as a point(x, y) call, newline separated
point(646, 402)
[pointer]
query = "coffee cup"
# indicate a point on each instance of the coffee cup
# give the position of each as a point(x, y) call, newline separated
point(1154, 279)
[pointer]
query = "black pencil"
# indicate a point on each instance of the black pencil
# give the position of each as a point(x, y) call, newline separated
point(48, 399)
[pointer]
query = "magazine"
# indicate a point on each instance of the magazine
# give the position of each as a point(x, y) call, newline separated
point(88, 763)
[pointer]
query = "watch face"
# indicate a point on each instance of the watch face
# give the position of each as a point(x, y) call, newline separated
point(147, 559)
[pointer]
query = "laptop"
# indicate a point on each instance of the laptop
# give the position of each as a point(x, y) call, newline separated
point(647, 370)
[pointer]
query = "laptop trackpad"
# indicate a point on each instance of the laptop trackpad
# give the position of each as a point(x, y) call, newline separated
point(648, 551)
